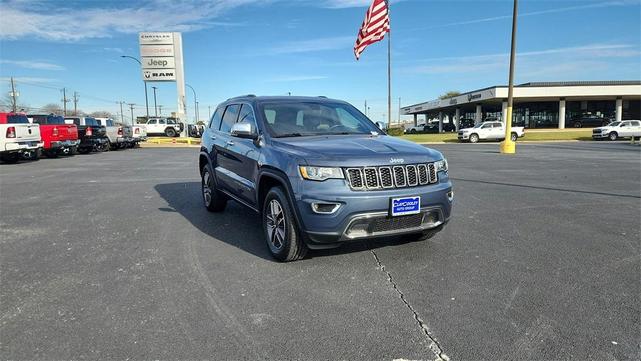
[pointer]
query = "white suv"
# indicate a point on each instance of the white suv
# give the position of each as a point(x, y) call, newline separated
point(616, 130)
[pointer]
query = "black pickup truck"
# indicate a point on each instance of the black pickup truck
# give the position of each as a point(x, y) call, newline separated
point(92, 135)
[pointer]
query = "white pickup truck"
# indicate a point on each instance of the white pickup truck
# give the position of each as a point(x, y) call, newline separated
point(493, 130)
point(18, 138)
point(616, 130)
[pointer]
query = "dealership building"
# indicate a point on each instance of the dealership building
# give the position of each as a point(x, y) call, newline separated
point(537, 105)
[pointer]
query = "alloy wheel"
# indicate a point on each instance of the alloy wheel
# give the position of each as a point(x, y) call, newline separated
point(275, 224)
point(207, 187)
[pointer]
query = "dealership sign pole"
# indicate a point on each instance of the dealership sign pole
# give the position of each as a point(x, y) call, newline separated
point(508, 146)
point(162, 61)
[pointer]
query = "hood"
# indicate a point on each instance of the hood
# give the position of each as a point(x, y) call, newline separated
point(356, 150)
point(466, 129)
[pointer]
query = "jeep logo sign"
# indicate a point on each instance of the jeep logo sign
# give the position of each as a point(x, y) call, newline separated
point(158, 63)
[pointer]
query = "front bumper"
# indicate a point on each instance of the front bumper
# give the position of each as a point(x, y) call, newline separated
point(600, 135)
point(64, 143)
point(365, 214)
point(91, 142)
point(20, 146)
point(463, 136)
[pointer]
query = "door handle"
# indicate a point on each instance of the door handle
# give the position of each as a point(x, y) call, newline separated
point(230, 142)
point(213, 137)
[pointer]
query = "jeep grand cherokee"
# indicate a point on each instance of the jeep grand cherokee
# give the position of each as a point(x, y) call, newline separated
point(320, 173)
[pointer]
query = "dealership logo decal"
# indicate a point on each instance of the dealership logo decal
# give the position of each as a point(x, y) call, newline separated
point(471, 97)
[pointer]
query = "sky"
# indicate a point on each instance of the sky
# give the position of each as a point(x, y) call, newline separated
point(305, 47)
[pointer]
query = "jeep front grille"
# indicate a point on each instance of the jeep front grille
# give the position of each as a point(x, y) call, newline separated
point(400, 176)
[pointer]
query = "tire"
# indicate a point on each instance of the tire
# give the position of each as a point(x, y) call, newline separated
point(214, 200)
point(10, 158)
point(419, 237)
point(113, 146)
point(613, 136)
point(474, 138)
point(282, 235)
point(412, 131)
point(32, 155)
point(73, 150)
point(514, 137)
point(577, 125)
point(84, 150)
point(52, 153)
point(65, 151)
point(170, 132)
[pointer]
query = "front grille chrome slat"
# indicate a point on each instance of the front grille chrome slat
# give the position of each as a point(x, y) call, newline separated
point(400, 176)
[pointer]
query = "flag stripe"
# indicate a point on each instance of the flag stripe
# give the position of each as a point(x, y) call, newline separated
point(374, 27)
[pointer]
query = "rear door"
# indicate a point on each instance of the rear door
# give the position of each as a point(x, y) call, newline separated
point(498, 132)
point(242, 158)
point(224, 162)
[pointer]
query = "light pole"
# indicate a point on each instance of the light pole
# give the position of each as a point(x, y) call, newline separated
point(195, 103)
point(197, 113)
point(209, 109)
point(155, 106)
point(508, 146)
point(144, 81)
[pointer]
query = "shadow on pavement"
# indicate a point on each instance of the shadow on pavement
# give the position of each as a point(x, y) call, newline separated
point(239, 226)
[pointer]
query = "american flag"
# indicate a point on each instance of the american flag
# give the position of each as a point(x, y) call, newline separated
point(374, 27)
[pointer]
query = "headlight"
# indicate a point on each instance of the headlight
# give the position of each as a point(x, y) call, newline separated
point(320, 173)
point(441, 165)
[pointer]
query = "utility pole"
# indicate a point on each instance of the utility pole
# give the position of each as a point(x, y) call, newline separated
point(155, 106)
point(122, 116)
point(75, 103)
point(508, 146)
point(13, 96)
point(209, 108)
point(366, 108)
point(131, 106)
point(64, 101)
point(399, 110)
point(160, 109)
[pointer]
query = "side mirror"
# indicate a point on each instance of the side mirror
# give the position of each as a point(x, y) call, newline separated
point(244, 130)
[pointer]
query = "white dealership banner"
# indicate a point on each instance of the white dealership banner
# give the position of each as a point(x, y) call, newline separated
point(158, 62)
point(159, 74)
point(157, 50)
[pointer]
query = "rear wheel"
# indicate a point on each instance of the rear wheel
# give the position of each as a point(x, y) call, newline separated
point(51, 153)
point(577, 125)
point(32, 155)
point(170, 132)
point(514, 137)
point(10, 158)
point(282, 234)
point(214, 200)
point(474, 138)
point(613, 136)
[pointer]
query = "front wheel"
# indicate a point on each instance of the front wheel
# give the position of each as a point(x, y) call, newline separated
point(514, 137)
point(282, 234)
point(613, 136)
point(474, 138)
point(214, 200)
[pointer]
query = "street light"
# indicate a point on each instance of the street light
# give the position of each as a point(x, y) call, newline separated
point(195, 103)
point(155, 106)
point(144, 81)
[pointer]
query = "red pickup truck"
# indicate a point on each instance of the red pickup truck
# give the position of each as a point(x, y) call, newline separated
point(59, 138)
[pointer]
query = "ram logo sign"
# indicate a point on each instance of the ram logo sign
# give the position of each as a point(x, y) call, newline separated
point(159, 75)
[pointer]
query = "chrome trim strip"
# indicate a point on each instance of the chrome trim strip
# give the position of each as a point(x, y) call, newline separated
point(373, 215)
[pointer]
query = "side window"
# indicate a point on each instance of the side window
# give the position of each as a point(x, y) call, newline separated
point(231, 114)
point(214, 123)
point(487, 126)
point(110, 123)
point(161, 121)
point(153, 121)
point(635, 123)
point(246, 114)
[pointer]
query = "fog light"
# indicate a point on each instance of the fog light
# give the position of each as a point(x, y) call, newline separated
point(325, 208)
point(430, 218)
point(358, 230)
point(450, 195)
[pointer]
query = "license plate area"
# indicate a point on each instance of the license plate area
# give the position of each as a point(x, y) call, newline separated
point(404, 206)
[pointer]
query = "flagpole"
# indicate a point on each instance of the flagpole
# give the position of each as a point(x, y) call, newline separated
point(389, 67)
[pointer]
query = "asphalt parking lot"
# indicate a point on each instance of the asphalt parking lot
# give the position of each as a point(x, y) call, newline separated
point(112, 256)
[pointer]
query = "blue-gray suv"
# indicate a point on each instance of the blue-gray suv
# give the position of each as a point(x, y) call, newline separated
point(320, 173)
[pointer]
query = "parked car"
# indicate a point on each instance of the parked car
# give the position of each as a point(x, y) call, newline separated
point(18, 137)
point(466, 123)
point(58, 137)
point(488, 131)
point(423, 128)
point(116, 133)
point(164, 126)
point(92, 135)
point(320, 173)
point(616, 130)
point(139, 134)
point(588, 121)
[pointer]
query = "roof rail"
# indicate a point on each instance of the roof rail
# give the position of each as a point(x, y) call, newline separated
point(243, 96)
point(322, 96)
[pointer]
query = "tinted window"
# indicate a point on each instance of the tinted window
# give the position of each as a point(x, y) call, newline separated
point(153, 121)
point(110, 123)
point(247, 114)
point(161, 121)
point(17, 119)
point(231, 114)
point(635, 123)
point(216, 118)
point(91, 121)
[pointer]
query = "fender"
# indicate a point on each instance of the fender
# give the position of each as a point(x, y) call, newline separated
point(282, 178)
point(204, 153)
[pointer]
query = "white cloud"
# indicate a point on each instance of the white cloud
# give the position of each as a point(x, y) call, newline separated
point(59, 23)
point(31, 64)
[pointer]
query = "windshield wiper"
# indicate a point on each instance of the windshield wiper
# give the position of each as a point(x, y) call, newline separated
point(288, 135)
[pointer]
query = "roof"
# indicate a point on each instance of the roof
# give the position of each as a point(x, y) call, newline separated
point(278, 98)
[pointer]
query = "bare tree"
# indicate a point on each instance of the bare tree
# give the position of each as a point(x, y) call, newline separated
point(51, 108)
point(101, 114)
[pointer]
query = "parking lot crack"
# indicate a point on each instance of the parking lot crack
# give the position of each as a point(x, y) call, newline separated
point(434, 346)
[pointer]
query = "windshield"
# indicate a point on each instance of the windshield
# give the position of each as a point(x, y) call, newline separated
point(614, 124)
point(298, 119)
point(17, 119)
